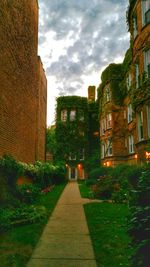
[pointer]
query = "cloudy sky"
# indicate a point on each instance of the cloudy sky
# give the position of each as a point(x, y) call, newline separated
point(77, 40)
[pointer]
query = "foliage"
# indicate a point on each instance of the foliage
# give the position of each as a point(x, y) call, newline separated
point(140, 220)
point(108, 229)
point(70, 132)
point(28, 193)
point(17, 244)
point(51, 140)
point(103, 188)
point(99, 172)
point(10, 169)
point(21, 215)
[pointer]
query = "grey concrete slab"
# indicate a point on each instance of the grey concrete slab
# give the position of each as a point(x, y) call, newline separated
point(65, 240)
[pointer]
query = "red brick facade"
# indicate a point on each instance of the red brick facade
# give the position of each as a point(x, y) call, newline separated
point(129, 132)
point(20, 82)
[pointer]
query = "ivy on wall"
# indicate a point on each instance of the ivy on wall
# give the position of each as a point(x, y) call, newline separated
point(72, 136)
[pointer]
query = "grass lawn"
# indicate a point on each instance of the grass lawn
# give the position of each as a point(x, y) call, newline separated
point(108, 229)
point(84, 189)
point(17, 244)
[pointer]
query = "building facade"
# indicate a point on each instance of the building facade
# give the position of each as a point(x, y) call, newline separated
point(22, 83)
point(73, 135)
point(125, 124)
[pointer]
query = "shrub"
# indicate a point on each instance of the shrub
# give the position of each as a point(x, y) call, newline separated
point(28, 193)
point(104, 188)
point(139, 226)
point(10, 169)
point(59, 174)
point(99, 172)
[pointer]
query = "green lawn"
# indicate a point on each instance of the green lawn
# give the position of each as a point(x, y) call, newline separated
point(108, 229)
point(84, 189)
point(16, 245)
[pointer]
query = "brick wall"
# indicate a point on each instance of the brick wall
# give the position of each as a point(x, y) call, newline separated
point(18, 78)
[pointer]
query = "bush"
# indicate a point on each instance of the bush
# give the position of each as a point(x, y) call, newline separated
point(59, 174)
point(104, 188)
point(22, 215)
point(28, 193)
point(10, 169)
point(139, 225)
point(99, 172)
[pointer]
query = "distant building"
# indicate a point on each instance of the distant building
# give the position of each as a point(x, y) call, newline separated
point(73, 134)
point(23, 86)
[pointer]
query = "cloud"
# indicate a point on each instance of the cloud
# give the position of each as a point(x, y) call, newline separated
point(94, 34)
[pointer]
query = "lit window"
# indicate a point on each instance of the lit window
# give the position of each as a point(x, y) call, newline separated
point(131, 144)
point(64, 115)
point(148, 120)
point(81, 154)
point(140, 125)
point(128, 81)
point(72, 156)
point(147, 62)
point(137, 76)
point(72, 115)
point(129, 113)
point(145, 12)
point(135, 26)
point(109, 120)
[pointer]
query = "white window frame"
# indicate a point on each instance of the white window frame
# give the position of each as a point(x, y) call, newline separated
point(129, 81)
point(148, 119)
point(130, 113)
point(64, 115)
point(147, 62)
point(72, 115)
point(82, 154)
point(109, 120)
point(72, 156)
point(131, 144)
point(109, 148)
point(102, 151)
point(140, 126)
point(145, 11)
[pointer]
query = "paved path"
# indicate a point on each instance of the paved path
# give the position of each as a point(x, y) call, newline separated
point(65, 241)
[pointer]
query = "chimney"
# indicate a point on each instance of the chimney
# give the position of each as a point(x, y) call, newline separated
point(91, 93)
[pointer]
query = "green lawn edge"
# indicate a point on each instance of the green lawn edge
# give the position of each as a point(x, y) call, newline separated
point(17, 244)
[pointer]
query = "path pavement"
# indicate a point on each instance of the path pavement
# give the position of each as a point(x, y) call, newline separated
point(65, 241)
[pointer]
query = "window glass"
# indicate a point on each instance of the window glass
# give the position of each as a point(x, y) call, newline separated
point(72, 115)
point(64, 115)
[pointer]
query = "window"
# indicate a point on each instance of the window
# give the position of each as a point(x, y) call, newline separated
point(137, 76)
point(102, 150)
point(131, 144)
point(135, 26)
point(148, 120)
point(64, 115)
point(145, 12)
point(109, 120)
point(109, 148)
point(103, 126)
point(72, 115)
point(140, 125)
point(81, 115)
point(128, 81)
point(147, 62)
point(107, 93)
point(81, 154)
point(72, 156)
point(129, 113)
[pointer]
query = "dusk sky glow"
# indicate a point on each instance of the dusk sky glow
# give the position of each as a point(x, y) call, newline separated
point(77, 40)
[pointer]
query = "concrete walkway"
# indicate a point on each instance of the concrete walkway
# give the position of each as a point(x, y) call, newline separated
point(65, 241)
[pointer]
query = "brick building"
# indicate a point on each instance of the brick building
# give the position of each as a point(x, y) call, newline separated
point(74, 134)
point(22, 82)
point(125, 128)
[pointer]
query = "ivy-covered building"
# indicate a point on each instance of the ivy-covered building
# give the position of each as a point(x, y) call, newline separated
point(73, 134)
point(124, 96)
